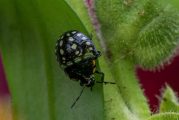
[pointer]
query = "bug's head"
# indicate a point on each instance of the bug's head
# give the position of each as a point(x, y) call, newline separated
point(91, 83)
point(88, 82)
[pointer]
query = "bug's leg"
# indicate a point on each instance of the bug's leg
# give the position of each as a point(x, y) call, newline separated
point(90, 83)
point(102, 78)
point(77, 97)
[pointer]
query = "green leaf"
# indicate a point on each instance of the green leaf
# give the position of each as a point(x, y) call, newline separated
point(40, 89)
point(129, 90)
point(165, 116)
point(169, 101)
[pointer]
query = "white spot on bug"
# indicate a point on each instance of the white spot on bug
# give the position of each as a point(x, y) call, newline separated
point(88, 43)
point(61, 42)
point(77, 52)
point(69, 63)
point(74, 46)
point(64, 61)
point(63, 58)
point(68, 34)
point(79, 34)
point(78, 59)
point(90, 48)
point(74, 32)
point(61, 51)
point(71, 39)
point(84, 38)
point(80, 54)
point(62, 37)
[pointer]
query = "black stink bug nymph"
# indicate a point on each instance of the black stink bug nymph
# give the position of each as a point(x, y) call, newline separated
point(77, 56)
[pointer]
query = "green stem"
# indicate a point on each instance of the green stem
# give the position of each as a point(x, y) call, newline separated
point(128, 87)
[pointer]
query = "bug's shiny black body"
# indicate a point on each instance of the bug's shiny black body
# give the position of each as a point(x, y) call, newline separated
point(77, 55)
point(82, 71)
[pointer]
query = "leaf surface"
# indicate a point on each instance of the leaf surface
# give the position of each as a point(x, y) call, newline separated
point(40, 89)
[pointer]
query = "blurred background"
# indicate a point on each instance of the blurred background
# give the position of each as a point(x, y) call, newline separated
point(153, 82)
point(5, 104)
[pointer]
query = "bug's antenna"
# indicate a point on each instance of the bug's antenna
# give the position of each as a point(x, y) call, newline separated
point(78, 97)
